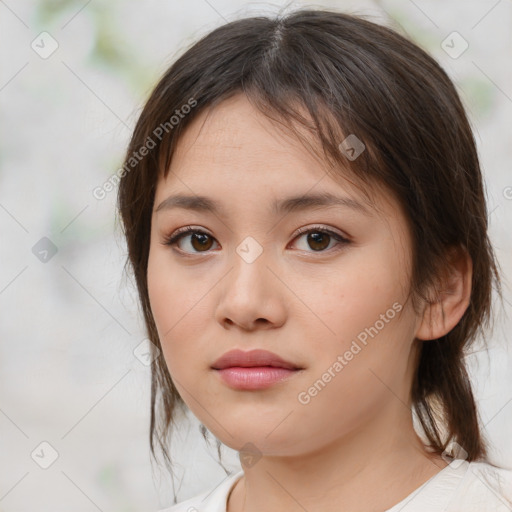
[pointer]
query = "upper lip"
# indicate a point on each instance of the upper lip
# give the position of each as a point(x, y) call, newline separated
point(252, 358)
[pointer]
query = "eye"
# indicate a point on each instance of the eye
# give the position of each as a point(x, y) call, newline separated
point(319, 239)
point(198, 240)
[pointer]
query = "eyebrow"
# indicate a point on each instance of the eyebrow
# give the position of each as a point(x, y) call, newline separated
point(288, 205)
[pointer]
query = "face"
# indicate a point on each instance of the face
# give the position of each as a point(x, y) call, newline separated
point(330, 299)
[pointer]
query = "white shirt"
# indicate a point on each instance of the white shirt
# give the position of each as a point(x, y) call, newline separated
point(459, 487)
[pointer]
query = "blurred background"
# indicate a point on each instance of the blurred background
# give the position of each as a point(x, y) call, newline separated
point(74, 381)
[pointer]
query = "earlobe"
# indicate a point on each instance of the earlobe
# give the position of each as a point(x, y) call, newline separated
point(452, 297)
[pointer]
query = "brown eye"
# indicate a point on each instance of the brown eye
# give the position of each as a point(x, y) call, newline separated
point(318, 241)
point(190, 240)
point(201, 241)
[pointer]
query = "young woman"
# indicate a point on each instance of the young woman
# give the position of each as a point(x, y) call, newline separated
point(305, 218)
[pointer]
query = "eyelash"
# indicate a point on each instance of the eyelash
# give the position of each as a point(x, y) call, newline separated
point(173, 239)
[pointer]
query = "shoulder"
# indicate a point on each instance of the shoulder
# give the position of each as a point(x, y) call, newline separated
point(462, 486)
point(195, 504)
point(484, 488)
point(212, 500)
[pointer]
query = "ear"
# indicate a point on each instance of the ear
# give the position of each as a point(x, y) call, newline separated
point(451, 299)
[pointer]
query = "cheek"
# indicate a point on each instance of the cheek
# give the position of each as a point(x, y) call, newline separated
point(178, 307)
point(353, 296)
point(175, 293)
point(362, 310)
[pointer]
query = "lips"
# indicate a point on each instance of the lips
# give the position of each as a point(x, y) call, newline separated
point(253, 358)
point(256, 370)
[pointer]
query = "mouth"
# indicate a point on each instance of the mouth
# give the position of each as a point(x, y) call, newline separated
point(254, 370)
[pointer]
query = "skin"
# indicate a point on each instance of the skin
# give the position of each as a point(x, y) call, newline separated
point(307, 306)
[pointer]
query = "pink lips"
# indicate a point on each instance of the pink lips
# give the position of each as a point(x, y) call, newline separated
point(256, 369)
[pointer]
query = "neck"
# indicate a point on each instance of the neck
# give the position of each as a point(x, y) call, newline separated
point(371, 470)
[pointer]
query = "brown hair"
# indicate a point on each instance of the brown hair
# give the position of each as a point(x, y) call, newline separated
point(351, 76)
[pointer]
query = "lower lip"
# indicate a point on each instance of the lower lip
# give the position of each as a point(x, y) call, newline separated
point(257, 377)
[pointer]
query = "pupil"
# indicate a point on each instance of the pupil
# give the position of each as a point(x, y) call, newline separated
point(201, 239)
point(316, 238)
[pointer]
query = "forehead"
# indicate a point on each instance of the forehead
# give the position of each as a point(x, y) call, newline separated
point(235, 135)
point(234, 147)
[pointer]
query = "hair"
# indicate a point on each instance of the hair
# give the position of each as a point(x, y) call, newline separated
point(347, 75)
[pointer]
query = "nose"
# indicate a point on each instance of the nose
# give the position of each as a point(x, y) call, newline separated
point(251, 296)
